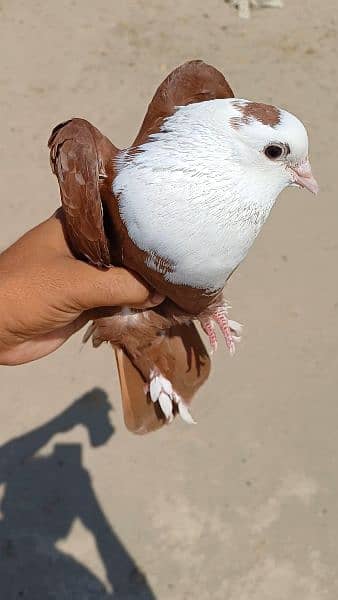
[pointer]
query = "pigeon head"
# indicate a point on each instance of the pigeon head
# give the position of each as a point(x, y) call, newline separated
point(271, 142)
point(230, 148)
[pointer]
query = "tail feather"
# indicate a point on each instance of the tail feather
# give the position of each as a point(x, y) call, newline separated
point(155, 341)
point(181, 357)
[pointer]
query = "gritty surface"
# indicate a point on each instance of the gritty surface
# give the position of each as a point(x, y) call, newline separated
point(243, 506)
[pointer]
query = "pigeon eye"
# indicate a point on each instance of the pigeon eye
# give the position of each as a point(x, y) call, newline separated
point(275, 151)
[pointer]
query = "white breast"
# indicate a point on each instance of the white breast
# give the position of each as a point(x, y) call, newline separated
point(182, 199)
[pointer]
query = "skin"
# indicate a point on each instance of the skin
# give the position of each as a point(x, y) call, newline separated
point(46, 294)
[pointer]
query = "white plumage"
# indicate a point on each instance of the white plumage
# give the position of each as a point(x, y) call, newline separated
point(198, 193)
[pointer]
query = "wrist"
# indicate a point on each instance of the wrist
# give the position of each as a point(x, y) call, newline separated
point(8, 354)
point(10, 347)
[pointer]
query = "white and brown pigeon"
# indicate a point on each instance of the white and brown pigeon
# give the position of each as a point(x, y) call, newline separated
point(180, 207)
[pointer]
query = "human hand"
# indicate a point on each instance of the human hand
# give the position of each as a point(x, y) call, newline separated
point(46, 294)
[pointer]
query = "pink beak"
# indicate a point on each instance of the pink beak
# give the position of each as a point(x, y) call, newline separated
point(302, 176)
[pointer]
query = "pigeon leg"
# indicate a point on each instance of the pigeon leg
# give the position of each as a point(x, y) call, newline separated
point(209, 328)
point(231, 330)
point(161, 391)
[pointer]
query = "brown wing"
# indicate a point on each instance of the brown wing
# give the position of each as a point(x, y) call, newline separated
point(194, 81)
point(81, 158)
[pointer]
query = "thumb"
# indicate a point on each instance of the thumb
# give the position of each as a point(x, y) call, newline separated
point(116, 286)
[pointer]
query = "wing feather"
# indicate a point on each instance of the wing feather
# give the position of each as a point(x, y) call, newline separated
point(78, 153)
point(194, 81)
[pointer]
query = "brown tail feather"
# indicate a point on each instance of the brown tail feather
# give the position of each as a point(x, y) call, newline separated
point(183, 359)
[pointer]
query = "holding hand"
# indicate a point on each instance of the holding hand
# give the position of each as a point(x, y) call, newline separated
point(46, 294)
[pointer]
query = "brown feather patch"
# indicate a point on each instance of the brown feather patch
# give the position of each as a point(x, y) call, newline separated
point(264, 113)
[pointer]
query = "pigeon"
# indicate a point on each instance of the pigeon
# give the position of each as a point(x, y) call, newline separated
point(180, 207)
point(244, 6)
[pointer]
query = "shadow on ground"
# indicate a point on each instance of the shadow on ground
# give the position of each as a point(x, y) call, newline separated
point(43, 496)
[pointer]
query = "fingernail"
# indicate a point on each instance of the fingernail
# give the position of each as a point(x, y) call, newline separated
point(156, 298)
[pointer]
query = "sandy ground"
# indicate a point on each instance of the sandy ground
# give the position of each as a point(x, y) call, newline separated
point(244, 505)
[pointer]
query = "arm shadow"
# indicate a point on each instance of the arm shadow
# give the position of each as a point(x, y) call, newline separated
point(43, 496)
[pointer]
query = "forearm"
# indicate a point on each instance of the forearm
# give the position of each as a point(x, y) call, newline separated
point(33, 284)
point(8, 338)
point(20, 299)
point(21, 276)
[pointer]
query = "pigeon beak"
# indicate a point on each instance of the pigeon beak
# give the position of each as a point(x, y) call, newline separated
point(302, 177)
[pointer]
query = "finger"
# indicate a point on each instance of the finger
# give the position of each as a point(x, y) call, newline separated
point(92, 287)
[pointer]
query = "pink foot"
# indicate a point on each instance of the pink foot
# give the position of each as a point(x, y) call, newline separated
point(231, 330)
point(208, 328)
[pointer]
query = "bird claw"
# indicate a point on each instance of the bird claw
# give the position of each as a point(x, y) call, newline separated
point(230, 329)
point(209, 328)
point(161, 391)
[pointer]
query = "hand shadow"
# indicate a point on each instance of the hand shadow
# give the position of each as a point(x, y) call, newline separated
point(43, 496)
